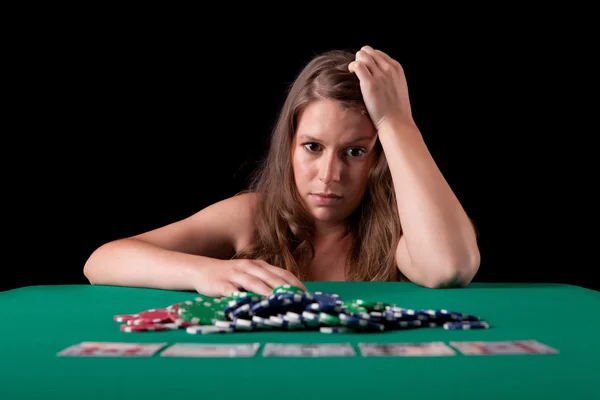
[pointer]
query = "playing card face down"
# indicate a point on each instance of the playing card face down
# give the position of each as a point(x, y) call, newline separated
point(521, 347)
point(308, 350)
point(111, 349)
point(405, 349)
point(211, 350)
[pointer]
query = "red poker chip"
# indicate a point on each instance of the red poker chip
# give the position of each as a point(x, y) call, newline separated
point(125, 317)
point(152, 316)
point(145, 328)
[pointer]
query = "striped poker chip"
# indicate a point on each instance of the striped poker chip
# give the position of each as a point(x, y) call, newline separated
point(270, 307)
point(206, 329)
point(463, 325)
point(326, 302)
point(224, 324)
point(263, 323)
point(294, 325)
point(125, 317)
point(173, 312)
point(324, 307)
point(310, 319)
point(152, 316)
point(404, 315)
point(287, 288)
point(277, 321)
point(335, 329)
point(415, 323)
point(242, 311)
point(245, 325)
point(201, 312)
point(299, 298)
point(358, 323)
point(147, 327)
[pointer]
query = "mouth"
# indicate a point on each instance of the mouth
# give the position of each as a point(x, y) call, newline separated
point(325, 199)
point(328, 195)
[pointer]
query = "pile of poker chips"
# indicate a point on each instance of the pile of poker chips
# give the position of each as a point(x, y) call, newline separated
point(291, 308)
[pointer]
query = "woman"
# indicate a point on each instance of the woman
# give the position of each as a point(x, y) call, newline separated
point(348, 191)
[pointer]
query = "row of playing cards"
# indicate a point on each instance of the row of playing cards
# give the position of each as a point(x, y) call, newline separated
point(118, 349)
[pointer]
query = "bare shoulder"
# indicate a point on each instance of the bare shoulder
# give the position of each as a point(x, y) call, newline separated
point(218, 230)
point(245, 206)
point(235, 216)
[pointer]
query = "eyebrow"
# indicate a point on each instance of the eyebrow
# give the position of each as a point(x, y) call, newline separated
point(355, 140)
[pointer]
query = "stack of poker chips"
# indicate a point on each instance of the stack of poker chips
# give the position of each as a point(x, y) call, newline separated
point(291, 308)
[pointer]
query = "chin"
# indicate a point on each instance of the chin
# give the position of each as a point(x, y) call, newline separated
point(325, 215)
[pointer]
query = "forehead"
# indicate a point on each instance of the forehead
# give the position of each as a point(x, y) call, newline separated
point(327, 120)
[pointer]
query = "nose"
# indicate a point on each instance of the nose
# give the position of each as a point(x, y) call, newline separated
point(330, 168)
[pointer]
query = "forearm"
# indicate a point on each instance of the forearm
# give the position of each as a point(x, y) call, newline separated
point(439, 237)
point(131, 262)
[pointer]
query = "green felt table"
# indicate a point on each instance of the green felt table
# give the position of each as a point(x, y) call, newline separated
point(37, 322)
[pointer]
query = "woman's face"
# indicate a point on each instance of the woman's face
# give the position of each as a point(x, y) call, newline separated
point(332, 152)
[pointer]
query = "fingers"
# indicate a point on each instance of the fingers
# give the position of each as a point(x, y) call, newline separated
point(360, 69)
point(283, 274)
point(268, 276)
point(383, 61)
point(380, 58)
point(362, 57)
point(228, 288)
point(251, 283)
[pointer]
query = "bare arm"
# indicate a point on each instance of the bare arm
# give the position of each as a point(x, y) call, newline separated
point(438, 247)
point(169, 257)
point(191, 254)
point(134, 262)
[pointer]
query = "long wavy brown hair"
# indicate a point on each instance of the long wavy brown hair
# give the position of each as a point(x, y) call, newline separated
point(284, 227)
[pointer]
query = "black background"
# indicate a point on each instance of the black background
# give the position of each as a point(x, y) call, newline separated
point(127, 124)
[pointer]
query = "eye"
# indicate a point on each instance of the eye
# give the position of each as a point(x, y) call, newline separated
point(357, 149)
point(309, 144)
point(361, 150)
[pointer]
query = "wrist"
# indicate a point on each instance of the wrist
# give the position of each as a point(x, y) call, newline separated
point(397, 125)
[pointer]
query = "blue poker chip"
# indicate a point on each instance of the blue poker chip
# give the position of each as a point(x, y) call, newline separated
point(292, 316)
point(443, 315)
point(325, 302)
point(310, 319)
point(283, 323)
point(296, 298)
point(242, 311)
point(404, 315)
point(463, 325)
point(359, 323)
point(267, 307)
point(262, 323)
point(244, 325)
point(408, 324)
point(375, 316)
point(327, 296)
point(232, 305)
point(324, 307)
point(224, 324)
point(335, 329)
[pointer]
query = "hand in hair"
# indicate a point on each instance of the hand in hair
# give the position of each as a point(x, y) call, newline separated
point(226, 276)
point(383, 86)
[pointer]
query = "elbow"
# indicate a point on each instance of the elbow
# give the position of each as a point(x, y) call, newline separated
point(91, 266)
point(458, 272)
point(88, 270)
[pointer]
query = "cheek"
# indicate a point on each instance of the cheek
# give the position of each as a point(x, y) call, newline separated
point(360, 175)
point(303, 165)
point(302, 168)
